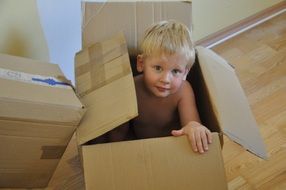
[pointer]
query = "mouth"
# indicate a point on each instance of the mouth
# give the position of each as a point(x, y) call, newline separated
point(162, 89)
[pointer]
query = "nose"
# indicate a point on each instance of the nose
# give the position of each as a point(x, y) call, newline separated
point(165, 78)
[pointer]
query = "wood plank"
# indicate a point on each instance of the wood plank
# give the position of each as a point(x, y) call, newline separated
point(259, 57)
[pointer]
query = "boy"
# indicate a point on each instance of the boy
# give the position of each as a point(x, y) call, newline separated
point(166, 101)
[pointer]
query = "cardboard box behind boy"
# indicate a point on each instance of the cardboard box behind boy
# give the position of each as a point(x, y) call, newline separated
point(158, 163)
point(129, 17)
point(37, 120)
point(107, 89)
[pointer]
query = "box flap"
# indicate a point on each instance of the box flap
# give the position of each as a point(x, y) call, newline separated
point(105, 83)
point(131, 17)
point(150, 165)
point(231, 105)
point(36, 91)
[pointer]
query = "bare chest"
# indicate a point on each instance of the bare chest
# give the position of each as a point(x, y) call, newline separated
point(156, 117)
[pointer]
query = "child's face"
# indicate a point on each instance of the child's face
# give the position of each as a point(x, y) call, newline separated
point(164, 74)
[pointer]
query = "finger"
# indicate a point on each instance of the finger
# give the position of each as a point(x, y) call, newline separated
point(177, 133)
point(204, 140)
point(209, 136)
point(199, 142)
point(192, 139)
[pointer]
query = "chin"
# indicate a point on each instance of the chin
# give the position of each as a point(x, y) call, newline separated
point(161, 95)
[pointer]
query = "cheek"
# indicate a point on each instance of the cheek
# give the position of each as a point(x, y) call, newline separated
point(150, 78)
point(151, 75)
point(177, 82)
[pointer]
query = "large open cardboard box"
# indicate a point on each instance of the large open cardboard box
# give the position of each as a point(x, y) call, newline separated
point(37, 120)
point(101, 20)
point(104, 82)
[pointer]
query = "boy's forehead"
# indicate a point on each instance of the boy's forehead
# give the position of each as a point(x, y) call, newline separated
point(174, 60)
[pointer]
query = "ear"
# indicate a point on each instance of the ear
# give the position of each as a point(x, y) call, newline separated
point(186, 73)
point(140, 63)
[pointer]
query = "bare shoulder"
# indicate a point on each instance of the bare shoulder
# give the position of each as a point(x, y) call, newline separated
point(186, 85)
point(186, 90)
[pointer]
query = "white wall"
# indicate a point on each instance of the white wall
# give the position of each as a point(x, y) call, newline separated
point(210, 16)
point(61, 22)
point(47, 30)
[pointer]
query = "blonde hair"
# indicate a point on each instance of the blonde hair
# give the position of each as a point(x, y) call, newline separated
point(168, 37)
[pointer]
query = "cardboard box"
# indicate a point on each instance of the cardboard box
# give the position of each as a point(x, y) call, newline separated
point(107, 89)
point(37, 120)
point(101, 20)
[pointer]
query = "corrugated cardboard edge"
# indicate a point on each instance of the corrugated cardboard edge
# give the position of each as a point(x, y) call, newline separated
point(155, 163)
point(228, 98)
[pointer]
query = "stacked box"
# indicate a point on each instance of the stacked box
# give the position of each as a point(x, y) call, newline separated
point(39, 112)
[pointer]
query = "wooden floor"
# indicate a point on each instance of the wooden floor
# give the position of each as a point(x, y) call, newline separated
point(259, 56)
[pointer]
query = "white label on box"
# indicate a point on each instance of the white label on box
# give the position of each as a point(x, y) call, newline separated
point(31, 78)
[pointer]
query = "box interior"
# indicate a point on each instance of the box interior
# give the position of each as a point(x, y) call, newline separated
point(149, 163)
point(204, 106)
point(221, 103)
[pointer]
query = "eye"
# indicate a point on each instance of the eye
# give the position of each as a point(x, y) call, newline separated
point(176, 71)
point(157, 68)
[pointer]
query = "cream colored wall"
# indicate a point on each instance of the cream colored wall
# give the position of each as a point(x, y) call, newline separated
point(210, 16)
point(21, 33)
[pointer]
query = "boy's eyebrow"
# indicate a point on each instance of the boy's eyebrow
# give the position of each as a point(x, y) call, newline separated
point(178, 65)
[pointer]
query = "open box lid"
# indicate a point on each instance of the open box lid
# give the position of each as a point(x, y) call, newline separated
point(36, 91)
point(230, 103)
point(104, 82)
point(130, 16)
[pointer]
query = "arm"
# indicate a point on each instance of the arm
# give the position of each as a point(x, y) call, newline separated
point(198, 135)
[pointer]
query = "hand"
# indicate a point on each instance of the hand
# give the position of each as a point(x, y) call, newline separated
point(198, 135)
